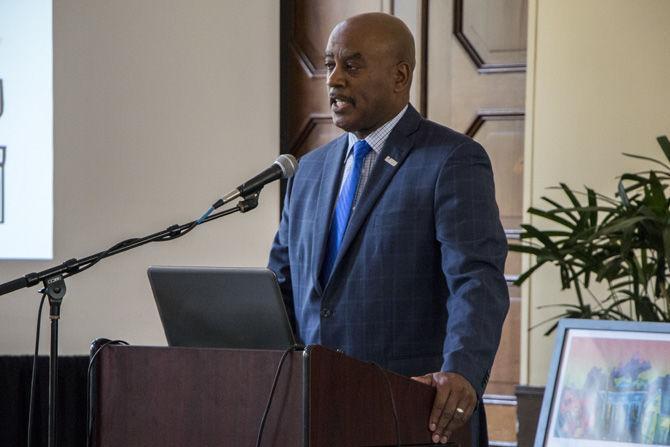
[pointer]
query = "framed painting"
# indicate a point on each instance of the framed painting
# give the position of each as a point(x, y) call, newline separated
point(608, 386)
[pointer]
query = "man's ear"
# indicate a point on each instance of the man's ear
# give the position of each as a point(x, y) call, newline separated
point(403, 76)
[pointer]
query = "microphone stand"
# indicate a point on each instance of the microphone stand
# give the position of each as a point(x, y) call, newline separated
point(53, 280)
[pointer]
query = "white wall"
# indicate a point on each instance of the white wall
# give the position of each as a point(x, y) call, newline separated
point(598, 85)
point(159, 108)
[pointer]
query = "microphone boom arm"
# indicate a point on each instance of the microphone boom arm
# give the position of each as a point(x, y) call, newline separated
point(53, 278)
point(73, 266)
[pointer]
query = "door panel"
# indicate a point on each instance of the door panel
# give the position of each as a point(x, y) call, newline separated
point(502, 136)
point(477, 86)
point(305, 113)
point(493, 33)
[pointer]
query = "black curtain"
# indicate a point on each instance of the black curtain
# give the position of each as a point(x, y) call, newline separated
point(15, 375)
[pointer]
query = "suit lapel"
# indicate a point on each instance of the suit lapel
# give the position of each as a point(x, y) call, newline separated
point(328, 188)
point(397, 147)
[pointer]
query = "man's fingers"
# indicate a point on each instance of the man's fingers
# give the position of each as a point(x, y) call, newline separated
point(427, 379)
point(454, 403)
point(462, 413)
point(448, 412)
point(438, 404)
point(441, 398)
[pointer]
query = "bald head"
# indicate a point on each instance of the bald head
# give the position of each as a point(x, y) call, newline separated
point(369, 61)
point(388, 31)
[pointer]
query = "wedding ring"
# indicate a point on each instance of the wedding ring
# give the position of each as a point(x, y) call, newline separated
point(460, 411)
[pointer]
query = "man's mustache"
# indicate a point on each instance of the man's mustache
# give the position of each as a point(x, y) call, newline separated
point(337, 97)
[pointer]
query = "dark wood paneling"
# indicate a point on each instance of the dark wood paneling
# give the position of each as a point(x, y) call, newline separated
point(423, 60)
point(206, 397)
point(183, 396)
point(305, 28)
point(529, 403)
point(369, 418)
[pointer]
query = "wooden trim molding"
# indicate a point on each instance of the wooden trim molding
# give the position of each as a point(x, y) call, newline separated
point(309, 125)
point(423, 94)
point(288, 33)
point(492, 115)
point(498, 115)
point(480, 63)
point(305, 62)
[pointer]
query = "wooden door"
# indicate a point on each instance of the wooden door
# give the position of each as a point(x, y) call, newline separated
point(305, 109)
point(470, 76)
point(476, 85)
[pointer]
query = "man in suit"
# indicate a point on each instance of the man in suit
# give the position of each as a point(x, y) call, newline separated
point(390, 246)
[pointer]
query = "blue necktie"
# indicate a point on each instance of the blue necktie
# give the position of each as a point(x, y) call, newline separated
point(343, 209)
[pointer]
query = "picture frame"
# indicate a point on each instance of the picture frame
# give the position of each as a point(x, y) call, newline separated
point(608, 386)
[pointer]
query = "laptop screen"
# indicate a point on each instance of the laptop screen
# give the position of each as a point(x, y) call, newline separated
point(216, 307)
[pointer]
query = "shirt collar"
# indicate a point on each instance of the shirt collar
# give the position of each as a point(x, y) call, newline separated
point(378, 137)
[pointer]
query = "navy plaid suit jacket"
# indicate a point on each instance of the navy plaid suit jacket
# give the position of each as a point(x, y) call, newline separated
point(418, 284)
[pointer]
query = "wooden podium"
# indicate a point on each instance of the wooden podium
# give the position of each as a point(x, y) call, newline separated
point(157, 396)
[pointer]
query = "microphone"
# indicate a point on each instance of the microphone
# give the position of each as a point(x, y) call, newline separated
point(283, 167)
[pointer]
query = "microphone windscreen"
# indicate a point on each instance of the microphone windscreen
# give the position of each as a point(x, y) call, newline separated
point(288, 165)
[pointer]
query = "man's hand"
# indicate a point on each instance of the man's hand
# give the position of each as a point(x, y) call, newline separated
point(454, 403)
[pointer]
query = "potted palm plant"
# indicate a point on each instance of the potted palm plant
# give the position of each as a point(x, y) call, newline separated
point(622, 242)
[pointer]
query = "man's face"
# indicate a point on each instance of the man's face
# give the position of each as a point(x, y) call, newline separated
point(360, 80)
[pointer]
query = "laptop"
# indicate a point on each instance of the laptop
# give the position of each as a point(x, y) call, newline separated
point(215, 307)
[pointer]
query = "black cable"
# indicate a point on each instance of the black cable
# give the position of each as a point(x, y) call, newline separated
point(176, 231)
point(89, 419)
point(395, 412)
point(272, 392)
point(33, 380)
point(74, 266)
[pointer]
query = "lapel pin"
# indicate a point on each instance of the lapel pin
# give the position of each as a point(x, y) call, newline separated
point(390, 161)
